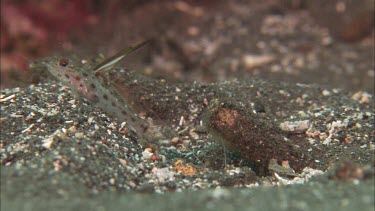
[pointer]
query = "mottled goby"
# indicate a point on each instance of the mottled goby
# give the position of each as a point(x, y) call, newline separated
point(88, 83)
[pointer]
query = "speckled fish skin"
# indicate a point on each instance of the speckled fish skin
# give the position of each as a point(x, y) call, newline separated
point(83, 81)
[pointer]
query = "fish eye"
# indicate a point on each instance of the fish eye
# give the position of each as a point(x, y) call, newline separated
point(63, 62)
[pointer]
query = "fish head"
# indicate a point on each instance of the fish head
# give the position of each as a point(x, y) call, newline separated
point(63, 68)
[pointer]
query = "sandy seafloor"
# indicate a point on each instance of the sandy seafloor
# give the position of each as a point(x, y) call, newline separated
point(58, 153)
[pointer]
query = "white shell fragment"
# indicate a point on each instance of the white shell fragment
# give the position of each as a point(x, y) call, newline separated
point(47, 142)
point(163, 174)
point(295, 127)
point(147, 155)
point(251, 61)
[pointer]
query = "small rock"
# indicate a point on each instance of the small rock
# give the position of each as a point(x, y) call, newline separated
point(252, 61)
point(47, 142)
point(185, 168)
point(295, 127)
point(147, 154)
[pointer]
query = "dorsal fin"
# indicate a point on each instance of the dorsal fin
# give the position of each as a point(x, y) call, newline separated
point(117, 57)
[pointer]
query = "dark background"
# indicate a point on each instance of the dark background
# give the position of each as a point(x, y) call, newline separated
point(325, 42)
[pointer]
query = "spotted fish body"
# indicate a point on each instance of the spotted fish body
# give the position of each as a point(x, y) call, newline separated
point(88, 83)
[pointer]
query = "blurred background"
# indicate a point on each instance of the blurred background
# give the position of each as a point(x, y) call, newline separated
point(325, 42)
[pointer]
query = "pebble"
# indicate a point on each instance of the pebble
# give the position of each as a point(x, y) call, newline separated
point(252, 61)
point(295, 127)
point(147, 154)
point(180, 166)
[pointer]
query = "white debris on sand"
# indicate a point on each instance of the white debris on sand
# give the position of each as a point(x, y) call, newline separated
point(163, 174)
point(147, 154)
point(295, 127)
point(304, 177)
point(251, 61)
point(332, 128)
